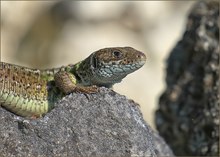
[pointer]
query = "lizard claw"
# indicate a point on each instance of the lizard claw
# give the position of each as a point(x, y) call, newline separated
point(87, 90)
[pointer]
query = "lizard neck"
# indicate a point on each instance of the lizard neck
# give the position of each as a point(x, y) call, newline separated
point(83, 72)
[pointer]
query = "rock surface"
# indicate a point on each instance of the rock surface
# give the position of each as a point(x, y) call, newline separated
point(101, 124)
point(188, 114)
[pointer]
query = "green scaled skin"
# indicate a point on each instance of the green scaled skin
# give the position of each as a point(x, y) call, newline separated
point(32, 93)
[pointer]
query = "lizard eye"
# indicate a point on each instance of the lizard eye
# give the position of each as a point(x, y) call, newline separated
point(117, 54)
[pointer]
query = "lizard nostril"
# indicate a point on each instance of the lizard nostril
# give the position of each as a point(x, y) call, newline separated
point(141, 56)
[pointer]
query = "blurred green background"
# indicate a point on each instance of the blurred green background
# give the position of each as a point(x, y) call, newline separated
point(45, 34)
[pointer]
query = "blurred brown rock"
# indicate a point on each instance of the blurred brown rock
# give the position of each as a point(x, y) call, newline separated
point(188, 114)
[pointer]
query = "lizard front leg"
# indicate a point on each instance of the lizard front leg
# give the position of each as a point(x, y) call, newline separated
point(66, 82)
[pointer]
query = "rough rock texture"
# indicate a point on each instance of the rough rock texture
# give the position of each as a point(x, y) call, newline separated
point(188, 114)
point(102, 124)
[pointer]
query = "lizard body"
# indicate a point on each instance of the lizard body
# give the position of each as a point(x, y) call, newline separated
point(32, 93)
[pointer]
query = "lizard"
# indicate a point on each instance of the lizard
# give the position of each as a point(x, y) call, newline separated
point(32, 93)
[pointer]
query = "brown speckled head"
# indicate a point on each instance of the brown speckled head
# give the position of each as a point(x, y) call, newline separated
point(111, 65)
point(120, 55)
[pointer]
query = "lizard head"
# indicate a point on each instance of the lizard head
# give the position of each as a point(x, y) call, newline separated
point(111, 65)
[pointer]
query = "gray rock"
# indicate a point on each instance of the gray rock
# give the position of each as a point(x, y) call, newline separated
point(101, 124)
point(188, 114)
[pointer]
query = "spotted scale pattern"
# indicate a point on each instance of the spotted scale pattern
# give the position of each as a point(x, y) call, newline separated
point(23, 91)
